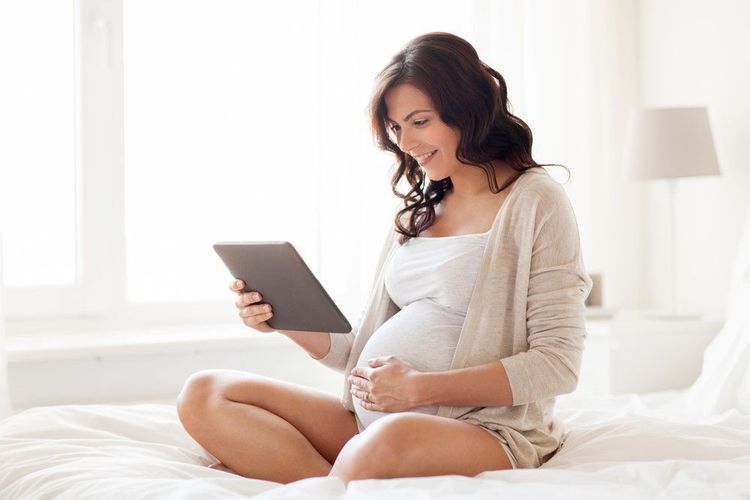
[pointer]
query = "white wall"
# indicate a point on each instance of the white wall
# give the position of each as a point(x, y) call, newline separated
point(104, 373)
point(574, 83)
point(617, 217)
point(653, 52)
point(695, 52)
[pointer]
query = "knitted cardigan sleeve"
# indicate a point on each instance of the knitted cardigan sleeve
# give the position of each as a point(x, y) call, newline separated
point(555, 312)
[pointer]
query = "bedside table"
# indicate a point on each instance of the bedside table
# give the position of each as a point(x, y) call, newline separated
point(593, 379)
point(631, 353)
point(648, 355)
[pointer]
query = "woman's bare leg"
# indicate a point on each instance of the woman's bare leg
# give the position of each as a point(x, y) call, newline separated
point(265, 428)
point(220, 466)
point(416, 445)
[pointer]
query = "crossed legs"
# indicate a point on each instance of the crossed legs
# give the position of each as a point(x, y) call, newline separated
point(269, 429)
point(264, 428)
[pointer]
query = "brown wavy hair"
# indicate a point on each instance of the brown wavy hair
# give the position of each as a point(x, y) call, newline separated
point(469, 96)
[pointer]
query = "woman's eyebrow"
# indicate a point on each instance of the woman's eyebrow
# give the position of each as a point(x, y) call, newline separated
point(409, 115)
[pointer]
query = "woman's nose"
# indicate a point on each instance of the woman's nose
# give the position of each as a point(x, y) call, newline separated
point(407, 142)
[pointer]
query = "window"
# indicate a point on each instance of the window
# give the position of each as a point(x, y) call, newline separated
point(37, 139)
point(207, 121)
point(145, 131)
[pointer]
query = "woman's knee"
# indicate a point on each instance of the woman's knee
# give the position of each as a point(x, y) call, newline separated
point(377, 451)
point(196, 395)
point(388, 437)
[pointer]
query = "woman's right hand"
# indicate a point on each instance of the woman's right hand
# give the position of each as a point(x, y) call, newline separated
point(252, 313)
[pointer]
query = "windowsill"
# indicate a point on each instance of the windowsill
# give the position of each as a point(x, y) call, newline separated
point(102, 341)
point(84, 338)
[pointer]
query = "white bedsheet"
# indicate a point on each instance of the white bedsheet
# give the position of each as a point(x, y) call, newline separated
point(617, 447)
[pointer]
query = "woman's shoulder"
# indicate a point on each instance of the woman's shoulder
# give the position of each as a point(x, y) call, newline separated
point(541, 189)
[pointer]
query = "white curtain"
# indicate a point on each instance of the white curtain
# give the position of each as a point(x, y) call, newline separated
point(572, 72)
point(571, 76)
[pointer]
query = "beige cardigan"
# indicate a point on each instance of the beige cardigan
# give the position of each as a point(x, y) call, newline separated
point(526, 310)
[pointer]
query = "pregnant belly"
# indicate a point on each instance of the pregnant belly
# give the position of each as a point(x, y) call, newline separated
point(423, 335)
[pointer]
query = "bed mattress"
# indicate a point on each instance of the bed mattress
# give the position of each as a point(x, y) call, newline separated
point(616, 447)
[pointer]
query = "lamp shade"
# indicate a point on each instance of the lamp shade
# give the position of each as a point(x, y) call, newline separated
point(669, 142)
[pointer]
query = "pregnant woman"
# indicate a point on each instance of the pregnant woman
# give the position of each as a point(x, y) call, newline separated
point(475, 322)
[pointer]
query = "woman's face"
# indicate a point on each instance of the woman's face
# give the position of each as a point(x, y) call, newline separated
point(419, 132)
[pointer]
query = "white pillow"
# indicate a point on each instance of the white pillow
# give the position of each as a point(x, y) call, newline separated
point(4, 398)
point(724, 381)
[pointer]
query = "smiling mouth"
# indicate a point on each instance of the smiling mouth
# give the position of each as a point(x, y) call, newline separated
point(423, 157)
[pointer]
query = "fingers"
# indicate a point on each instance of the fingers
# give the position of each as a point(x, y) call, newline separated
point(359, 394)
point(247, 298)
point(237, 286)
point(254, 320)
point(252, 314)
point(256, 310)
point(244, 298)
point(361, 384)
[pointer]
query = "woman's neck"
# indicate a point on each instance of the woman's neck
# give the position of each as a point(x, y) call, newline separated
point(472, 182)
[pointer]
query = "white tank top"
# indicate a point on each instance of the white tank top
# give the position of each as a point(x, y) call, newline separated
point(431, 281)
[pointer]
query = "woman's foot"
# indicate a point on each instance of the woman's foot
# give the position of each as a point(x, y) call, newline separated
point(222, 467)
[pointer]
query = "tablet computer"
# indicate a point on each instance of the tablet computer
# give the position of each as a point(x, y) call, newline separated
point(278, 273)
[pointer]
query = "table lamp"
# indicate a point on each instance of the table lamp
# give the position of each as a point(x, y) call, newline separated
point(669, 143)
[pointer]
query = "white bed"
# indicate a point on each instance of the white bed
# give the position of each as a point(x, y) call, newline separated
point(617, 447)
point(690, 443)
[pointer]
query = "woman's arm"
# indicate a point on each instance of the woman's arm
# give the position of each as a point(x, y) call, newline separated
point(483, 385)
point(330, 349)
point(555, 327)
point(555, 324)
point(317, 344)
point(555, 311)
point(333, 349)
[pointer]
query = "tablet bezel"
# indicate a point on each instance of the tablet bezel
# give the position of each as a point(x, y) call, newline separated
point(276, 270)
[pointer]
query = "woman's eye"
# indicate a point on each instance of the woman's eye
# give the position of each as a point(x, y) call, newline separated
point(419, 122)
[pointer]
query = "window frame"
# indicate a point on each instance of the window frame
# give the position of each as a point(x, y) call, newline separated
point(98, 105)
point(97, 299)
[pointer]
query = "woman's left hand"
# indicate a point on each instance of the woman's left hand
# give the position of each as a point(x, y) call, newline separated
point(387, 384)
